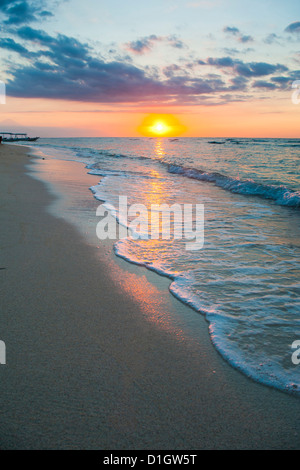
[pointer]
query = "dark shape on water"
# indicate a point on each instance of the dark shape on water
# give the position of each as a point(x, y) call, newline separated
point(16, 137)
point(233, 141)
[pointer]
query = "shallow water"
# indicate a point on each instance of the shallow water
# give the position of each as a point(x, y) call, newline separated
point(245, 280)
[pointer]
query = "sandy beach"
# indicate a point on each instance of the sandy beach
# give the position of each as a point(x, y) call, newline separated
point(99, 354)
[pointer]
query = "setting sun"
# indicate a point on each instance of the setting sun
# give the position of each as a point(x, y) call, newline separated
point(160, 128)
point(161, 125)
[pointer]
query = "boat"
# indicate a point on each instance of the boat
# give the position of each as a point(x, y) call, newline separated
point(16, 137)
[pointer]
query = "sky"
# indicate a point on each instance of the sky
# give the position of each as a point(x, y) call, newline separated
point(98, 68)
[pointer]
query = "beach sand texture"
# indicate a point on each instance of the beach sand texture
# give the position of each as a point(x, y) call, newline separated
point(94, 360)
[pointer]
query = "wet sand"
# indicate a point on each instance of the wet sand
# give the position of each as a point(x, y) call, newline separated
point(99, 354)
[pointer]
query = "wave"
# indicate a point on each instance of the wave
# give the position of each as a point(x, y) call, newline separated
point(290, 145)
point(260, 370)
point(280, 194)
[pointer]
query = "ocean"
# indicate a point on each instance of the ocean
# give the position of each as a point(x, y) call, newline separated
point(245, 279)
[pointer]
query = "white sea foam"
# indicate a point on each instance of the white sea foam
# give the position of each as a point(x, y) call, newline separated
point(246, 279)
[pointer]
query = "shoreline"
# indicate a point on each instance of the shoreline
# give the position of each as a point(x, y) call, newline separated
point(104, 377)
point(77, 169)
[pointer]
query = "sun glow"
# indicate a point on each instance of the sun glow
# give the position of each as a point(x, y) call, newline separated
point(161, 125)
point(159, 128)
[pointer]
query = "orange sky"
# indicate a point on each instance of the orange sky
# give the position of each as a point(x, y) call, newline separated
point(260, 118)
point(99, 68)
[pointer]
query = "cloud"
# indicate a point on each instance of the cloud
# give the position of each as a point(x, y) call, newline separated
point(82, 80)
point(295, 75)
point(64, 68)
point(221, 62)
point(10, 44)
point(250, 69)
point(144, 45)
point(59, 47)
point(231, 30)
point(282, 82)
point(35, 35)
point(239, 83)
point(232, 51)
point(45, 13)
point(265, 85)
point(272, 38)
point(245, 38)
point(240, 37)
point(258, 69)
point(293, 27)
point(171, 70)
point(22, 11)
point(175, 42)
point(97, 81)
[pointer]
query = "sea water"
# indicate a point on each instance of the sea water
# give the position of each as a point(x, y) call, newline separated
point(245, 279)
